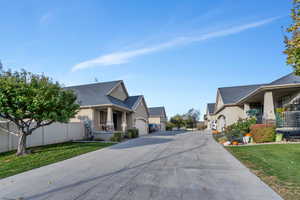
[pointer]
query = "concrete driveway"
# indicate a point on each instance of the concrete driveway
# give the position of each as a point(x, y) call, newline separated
point(185, 166)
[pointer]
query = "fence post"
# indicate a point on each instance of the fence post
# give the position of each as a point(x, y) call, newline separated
point(43, 136)
point(67, 124)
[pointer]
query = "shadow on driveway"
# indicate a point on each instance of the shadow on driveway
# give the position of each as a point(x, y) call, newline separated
point(148, 140)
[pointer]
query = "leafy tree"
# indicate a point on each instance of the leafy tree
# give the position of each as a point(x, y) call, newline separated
point(293, 42)
point(31, 101)
point(178, 121)
point(191, 118)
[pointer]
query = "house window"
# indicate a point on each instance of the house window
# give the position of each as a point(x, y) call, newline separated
point(283, 101)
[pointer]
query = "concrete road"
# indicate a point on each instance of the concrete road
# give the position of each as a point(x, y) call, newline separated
point(183, 166)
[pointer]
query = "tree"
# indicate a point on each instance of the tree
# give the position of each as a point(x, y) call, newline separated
point(292, 42)
point(192, 117)
point(31, 101)
point(178, 121)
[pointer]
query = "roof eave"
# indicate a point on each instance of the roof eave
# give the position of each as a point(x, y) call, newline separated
point(107, 105)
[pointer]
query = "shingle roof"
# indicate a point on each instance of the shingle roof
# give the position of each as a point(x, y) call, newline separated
point(211, 108)
point(96, 94)
point(231, 95)
point(132, 100)
point(157, 111)
point(288, 79)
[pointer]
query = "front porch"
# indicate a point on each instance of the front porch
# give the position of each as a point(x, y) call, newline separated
point(111, 119)
point(271, 106)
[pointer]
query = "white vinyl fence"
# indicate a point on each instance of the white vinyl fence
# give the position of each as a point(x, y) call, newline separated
point(54, 133)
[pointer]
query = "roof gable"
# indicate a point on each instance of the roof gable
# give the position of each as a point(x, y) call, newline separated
point(231, 95)
point(93, 94)
point(211, 108)
point(157, 111)
point(119, 91)
point(99, 94)
point(288, 79)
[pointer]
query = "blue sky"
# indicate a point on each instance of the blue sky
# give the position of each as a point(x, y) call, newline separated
point(176, 53)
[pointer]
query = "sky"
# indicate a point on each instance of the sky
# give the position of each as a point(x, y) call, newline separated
point(176, 53)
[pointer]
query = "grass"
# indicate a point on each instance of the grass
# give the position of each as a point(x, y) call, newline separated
point(44, 155)
point(278, 165)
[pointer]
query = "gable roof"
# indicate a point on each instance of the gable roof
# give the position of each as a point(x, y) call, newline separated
point(98, 94)
point(236, 94)
point(133, 100)
point(288, 79)
point(211, 108)
point(231, 95)
point(157, 111)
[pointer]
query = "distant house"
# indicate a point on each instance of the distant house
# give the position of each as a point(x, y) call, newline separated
point(209, 116)
point(158, 116)
point(233, 103)
point(108, 107)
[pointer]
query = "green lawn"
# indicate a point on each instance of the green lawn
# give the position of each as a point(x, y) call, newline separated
point(277, 165)
point(44, 155)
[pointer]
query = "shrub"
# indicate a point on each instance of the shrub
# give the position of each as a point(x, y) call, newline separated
point(234, 135)
point(117, 137)
point(170, 126)
point(133, 133)
point(263, 133)
point(242, 125)
point(222, 139)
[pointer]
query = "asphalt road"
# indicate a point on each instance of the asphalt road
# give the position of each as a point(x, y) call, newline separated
point(183, 166)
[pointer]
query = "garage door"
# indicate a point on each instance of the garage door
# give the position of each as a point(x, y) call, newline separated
point(163, 126)
point(142, 125)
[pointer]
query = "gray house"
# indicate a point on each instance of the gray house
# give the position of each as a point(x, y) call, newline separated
point(108, 106)
point(232, 103)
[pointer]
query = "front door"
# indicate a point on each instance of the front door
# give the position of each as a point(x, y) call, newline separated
point(115, 119)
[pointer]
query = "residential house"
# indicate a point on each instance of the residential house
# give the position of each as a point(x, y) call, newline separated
point(158, 116)
point(233, 103)
point(108, 107)
point(209, 119)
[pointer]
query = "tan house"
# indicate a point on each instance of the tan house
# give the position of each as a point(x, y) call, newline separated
point(209, 119)
point(232, 103)
point(158, 116)
point(108, 107)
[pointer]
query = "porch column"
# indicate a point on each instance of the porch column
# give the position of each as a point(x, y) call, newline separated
point(124, 122)
point(110, 121)
point(269, 114)
point(246, 109)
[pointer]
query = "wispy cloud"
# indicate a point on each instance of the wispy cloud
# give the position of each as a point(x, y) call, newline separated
point(125, 56)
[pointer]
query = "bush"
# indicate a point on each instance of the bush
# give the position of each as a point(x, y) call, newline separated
point(263, 133)
point(234, 135)
point(242, 125)
point(170, 126)
point(222, 139)
point(132, 133)
point(117, 137)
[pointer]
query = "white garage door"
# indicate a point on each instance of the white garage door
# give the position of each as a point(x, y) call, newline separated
point(142, 126)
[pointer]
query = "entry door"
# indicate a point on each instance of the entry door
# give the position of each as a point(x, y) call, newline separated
point(115, 119)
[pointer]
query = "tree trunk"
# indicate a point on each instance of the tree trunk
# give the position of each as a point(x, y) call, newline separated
point(22, 145)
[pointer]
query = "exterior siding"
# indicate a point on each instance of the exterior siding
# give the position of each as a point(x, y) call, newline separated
point(119, 93)
point(231, 114)
point(154, 120)
point(141, 114)
point(141, 111)
point(83, 114)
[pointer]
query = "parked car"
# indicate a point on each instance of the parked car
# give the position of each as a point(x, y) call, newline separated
point(153, 128)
